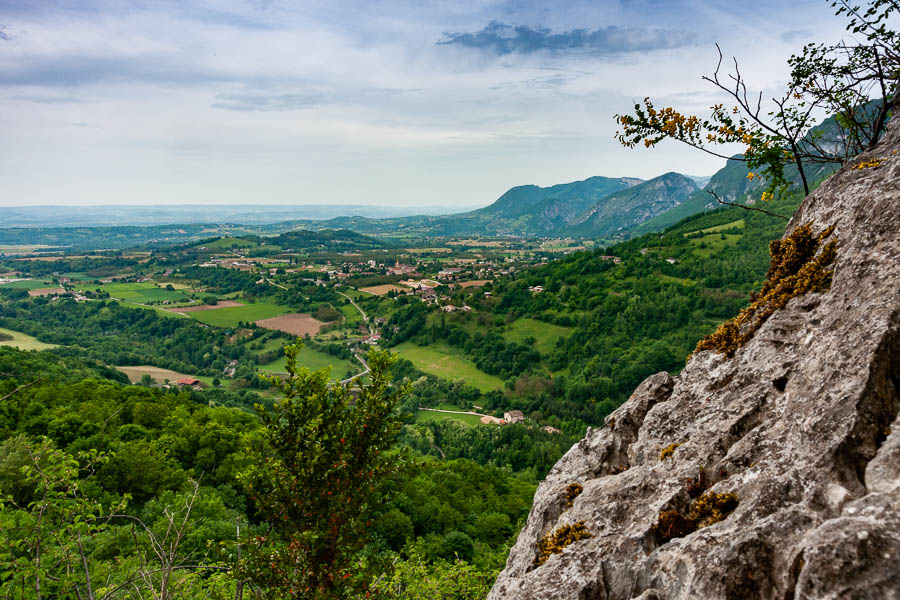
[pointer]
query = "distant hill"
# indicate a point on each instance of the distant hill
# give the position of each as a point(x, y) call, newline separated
point(530, 209)
point(621, 211)
point(185, 214)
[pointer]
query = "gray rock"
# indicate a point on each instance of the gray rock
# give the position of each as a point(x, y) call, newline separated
point(801, 425)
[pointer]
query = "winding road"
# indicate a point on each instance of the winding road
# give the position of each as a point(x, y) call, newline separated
point(366, 321)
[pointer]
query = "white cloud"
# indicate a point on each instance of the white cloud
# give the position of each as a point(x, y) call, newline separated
point(346, 102)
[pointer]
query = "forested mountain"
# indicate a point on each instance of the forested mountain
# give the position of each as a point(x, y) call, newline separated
point(530, 209)
point(623, 210)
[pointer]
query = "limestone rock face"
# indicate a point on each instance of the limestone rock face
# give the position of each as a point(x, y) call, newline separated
point(801, 425)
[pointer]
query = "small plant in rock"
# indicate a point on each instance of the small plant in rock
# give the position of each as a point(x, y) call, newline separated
point(556, 542)
point(708, 509)
point(667, 451)
point(573, 490)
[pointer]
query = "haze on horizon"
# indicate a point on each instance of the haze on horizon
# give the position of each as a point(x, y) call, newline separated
point(398, 103)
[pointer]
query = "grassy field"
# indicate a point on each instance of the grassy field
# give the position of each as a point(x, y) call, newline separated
point(447, 362)
point(545, 333)
point(22, 341)
point(137, 292)
point(739, 224)
point(670, 279)
point(158, 309)
point(467, 321)
point(314, 360)
point(426, 415)
point(28, 284)
point(713, 243)
point(229, 317)
point(351, 315)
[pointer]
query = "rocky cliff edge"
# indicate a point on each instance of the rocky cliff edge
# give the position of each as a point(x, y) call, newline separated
point(771, 474)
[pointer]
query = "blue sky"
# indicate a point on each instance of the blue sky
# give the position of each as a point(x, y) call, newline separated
point(373, 102)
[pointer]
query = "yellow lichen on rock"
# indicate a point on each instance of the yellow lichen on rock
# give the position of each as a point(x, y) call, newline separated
point(573, 490)
point(708, 509)
point(667, 451)
point(554, 543)
point(799, 265)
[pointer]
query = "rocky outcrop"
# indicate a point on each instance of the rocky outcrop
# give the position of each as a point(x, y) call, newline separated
point(801, 426)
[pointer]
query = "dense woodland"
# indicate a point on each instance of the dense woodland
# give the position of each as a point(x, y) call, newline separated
point(140, 449)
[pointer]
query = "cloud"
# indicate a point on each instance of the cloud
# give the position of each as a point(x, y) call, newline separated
point(267, 102)
point(550, 82)
point(795, 35)
point(3, 35)
point(48, 99)
point(503, 39)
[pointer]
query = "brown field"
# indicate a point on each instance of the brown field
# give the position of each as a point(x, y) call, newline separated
point(293, 323)
point(482, 243)
point(160, 375)
point(474, 283)
point(220, 304)
point(382, 290)
point(51, 257)
point(46, 291)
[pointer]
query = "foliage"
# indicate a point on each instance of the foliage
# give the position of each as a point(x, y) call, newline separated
point(313, 474)
point(42, 540)
point(52, 534)
point(225, 281)
point(518, 448)
point(857, 81)
point(416, 579)
point(119, 335)
point(439, 501)
point(833, 78)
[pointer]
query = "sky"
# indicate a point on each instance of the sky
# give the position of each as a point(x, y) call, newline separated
point(393, 103)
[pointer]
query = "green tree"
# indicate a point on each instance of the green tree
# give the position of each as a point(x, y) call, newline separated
point(313, 475)
point(855, 82)
point(415, 579)
point(42, 543)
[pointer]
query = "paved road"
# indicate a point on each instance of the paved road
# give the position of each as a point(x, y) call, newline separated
point(363, 363)
point(366, 321)
point(454, 412)
point(361, 311)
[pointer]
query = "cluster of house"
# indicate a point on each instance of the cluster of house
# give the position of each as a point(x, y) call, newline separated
point(514, 416)
point(449, 308)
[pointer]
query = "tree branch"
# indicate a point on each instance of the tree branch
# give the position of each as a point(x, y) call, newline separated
point(19, 389)
point(745, 207)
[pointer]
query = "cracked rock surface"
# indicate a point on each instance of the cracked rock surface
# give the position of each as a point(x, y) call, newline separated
point(801, 425)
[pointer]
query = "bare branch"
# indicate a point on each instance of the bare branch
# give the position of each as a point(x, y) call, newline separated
point(19, 389)
point(745, 207)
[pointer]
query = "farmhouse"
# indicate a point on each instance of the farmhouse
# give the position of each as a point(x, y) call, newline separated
point(514, 416)
point(190, 382)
